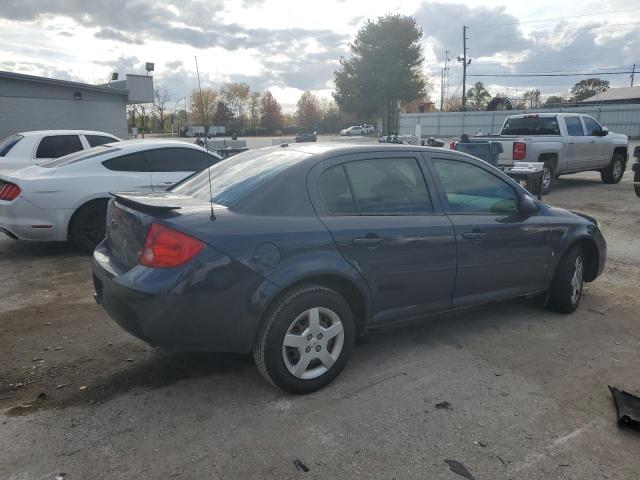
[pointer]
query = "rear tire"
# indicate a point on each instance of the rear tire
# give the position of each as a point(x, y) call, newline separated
point(566, 288)
point(548, 178)
point(305, 340)
point(88, 225)
point(614, 172)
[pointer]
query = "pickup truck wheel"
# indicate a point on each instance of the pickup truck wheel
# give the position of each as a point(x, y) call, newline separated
point(548, 178)
point(566, 288)
point(306, 339)
point(614, 172)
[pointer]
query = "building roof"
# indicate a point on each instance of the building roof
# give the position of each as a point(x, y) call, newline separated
point(62, 83)
point(616, 94)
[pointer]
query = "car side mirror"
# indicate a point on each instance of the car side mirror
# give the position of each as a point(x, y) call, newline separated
point(528, 205)
point(604, 132)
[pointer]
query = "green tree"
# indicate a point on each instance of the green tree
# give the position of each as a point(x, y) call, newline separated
point(553, 101)
point(236, 95)
point(478, 96)
point(309, 113)
point(255, 110)
point(223, 114)
point(272, 118)
point(385, 66)
point(588, 88)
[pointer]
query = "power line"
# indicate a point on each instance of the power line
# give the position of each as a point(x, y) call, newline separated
point(507, 63)
point(599, 14)
point(582, 74)
point(584, 28)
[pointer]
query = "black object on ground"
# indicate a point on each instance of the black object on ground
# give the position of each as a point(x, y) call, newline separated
point(459, 468)
point(627, 407)
point(443, 406)
point(300, 466)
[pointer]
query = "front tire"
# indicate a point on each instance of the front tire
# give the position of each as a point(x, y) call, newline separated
point(88, 225)
point(566, 288)
point(614, 172)
point(306, 339)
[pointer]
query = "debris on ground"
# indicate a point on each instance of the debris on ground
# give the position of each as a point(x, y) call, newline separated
point(83, 387)
point(300, 466)
point(627, 407)
point(459, 469)
point(443, 406)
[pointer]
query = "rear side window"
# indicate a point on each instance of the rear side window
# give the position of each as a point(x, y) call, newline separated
point(592, 126)
point(574, 126)
point(335, 191)
point(178, 160)
point(134, 162)
point(531, 125)
point(471, 189)
point(390, 186)
point(8, 143)
point(58, 145)
point(97, 140)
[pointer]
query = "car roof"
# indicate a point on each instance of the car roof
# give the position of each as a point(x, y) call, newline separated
point(146, 144)
point(331, 149)
point(65, 132)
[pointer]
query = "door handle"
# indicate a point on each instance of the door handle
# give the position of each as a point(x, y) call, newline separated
point(370, 240)
point(476, 235)
point(166, 184)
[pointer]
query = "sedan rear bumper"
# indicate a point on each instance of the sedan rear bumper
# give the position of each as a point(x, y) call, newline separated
point(212, 303)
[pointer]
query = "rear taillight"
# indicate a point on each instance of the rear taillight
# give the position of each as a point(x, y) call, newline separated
point(165, 247)
point(9, 191)
point(452, 145)
point(519, 150)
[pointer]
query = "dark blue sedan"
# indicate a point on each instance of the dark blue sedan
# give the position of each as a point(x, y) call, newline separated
point(291, 251)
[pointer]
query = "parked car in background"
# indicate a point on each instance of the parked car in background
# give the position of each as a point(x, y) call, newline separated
point(33, 148)
point(368, 129)
point(565, 143)
point(292, 251)
point(66, 198)
point(355, 130)
point(306, 137)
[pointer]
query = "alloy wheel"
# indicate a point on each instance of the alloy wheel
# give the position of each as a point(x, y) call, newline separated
point(313, 343)
point(576, 280)
point(617, 169)
point(546, 178)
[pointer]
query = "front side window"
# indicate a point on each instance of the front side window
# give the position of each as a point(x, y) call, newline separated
point(134, 162)
point(593, 127)
point(390, 186)
point(574, 126)
point(178, 160)
point(58, 145)
point(471, 189)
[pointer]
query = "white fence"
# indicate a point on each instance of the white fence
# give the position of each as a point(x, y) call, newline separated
point(617, 118)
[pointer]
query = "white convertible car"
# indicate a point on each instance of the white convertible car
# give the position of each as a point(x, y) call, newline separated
point(66, 198)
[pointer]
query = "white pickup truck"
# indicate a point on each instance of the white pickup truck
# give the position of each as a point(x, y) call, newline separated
point(565, 143)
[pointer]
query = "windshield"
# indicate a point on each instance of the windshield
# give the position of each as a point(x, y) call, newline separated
point(531, 125)
point(234, 179)
point(8, 143)
point(79, 156)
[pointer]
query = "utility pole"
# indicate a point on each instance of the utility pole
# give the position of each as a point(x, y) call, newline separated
point(441, 89)
point(444, 74)
point(633, 74)
point(465, 63)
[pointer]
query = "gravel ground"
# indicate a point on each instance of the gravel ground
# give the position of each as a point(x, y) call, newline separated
point(510, 390)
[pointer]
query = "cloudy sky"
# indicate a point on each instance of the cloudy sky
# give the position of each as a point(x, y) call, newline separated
point(291, 46)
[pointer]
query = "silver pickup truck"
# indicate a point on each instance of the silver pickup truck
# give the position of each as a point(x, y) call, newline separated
point(565, 143)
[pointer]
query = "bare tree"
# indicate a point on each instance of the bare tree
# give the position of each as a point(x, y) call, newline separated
point(161, 101)
point(255, 110)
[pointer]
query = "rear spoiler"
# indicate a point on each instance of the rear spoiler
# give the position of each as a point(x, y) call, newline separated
point(159, 201)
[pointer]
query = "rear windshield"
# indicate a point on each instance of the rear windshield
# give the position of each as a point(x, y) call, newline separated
point(235, 178)
point(531, 125)
point(8, 143)
point(79, 156)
